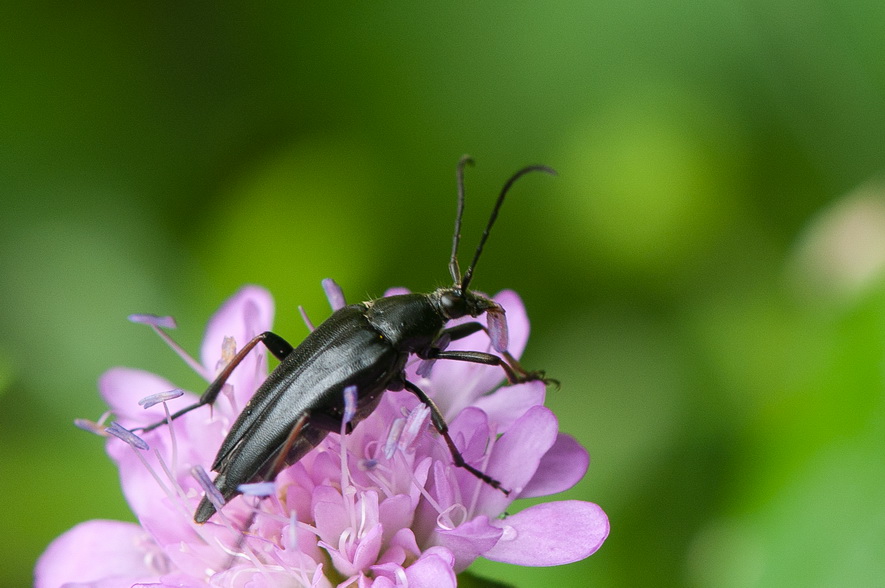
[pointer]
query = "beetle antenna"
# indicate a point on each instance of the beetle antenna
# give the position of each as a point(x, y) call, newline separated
point(454, 268)
point(468, 275)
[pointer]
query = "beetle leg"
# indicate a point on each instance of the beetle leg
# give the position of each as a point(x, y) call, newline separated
point(440, 424)
point(280, 461)
point(515, 372)
point(274, 343)
point(463, 330)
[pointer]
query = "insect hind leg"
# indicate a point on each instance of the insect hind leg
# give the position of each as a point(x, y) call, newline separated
point(278, 346)
point(442, 427)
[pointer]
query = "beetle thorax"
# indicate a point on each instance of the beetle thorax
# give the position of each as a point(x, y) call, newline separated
point(410, 322)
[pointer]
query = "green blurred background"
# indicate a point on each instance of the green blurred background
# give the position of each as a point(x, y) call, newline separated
point(703, 276)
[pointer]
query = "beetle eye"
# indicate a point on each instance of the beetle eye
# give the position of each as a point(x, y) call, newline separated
point(453, 304)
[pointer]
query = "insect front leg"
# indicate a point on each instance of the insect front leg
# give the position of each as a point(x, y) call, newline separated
point(442, 427)
point(278, 346)
point(515, 372)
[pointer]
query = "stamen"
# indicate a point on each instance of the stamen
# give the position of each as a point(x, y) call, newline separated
point(228, 351)
point(498, 330)
point(347, 490)
point(425, 367)
point(126, 435)
point(261, 489)
point(242, 549)
point(212, 493)
point(414, 425)
point(445, 521)
point(306, 320)
point(423, 490)
point(155, 323)
point(393, 435)
point(361, 532)
point(154, 399)
point(334, 293)
point(91, 427)
point(169, 476)
point(162, 397)
point(382, 483)
point(292, 535)
point(484, 465)
point(179, 505)
point(165, 322)
point(350, 398)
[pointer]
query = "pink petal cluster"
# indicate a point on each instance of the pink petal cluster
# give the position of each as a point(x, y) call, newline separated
point(381, 507)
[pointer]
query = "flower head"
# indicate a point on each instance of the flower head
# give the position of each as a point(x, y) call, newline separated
point(382, 506)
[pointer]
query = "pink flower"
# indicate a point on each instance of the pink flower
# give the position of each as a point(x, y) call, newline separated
point(383, 506)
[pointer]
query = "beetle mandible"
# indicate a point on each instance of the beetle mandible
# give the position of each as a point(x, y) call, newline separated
point(365, 346)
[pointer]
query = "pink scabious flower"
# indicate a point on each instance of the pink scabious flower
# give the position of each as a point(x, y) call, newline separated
point(383, 506)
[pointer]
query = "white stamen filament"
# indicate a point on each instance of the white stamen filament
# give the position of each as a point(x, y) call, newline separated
point(306, 319)
point(178, 349)
point(445, 521)
point(172, 438)
point(421, 488)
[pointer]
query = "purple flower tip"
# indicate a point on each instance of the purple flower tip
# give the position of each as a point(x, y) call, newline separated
point(350, 398)
point(414, 425)
point(498, 330)
point(90, 427)
point(425, 367)
point(334, 294)
point(166, 322)
point(258, 489)
point(160, 397)
point(208, 487)
point(393, 435)
point(126, 435)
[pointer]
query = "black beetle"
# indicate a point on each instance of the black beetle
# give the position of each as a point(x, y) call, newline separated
point(363, 345)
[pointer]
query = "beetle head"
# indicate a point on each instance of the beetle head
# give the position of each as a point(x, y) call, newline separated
point(454, 303)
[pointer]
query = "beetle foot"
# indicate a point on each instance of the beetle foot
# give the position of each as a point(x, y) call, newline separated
point(538, 375)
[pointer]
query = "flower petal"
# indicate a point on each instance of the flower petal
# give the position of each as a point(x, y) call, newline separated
point(97, 550)
point(515, 458)
point(433, 568)
point(551, 534)
point(562, 467)
point(468, 541)
point(329, 514)
point(367, 550)
point(508, 403)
